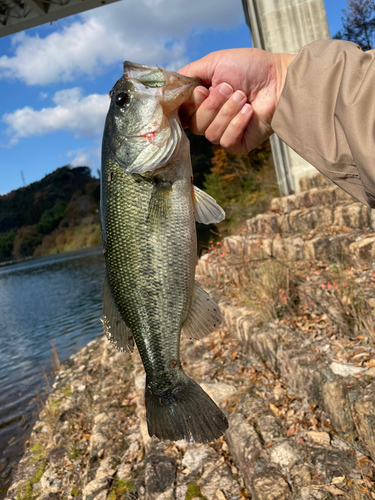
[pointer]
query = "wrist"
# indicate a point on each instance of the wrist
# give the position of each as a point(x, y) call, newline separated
point(283, 62)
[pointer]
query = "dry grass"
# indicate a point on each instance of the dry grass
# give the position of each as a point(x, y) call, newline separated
point(266, 286)
point(66, 240)
point(55, 362)
point(49, 415)
point(288, 290)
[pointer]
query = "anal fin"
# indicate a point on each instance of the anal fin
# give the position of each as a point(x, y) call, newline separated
point(204, 315)
point(115, 328)
point(207, 211)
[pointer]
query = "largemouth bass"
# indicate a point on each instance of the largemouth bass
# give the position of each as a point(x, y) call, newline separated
point(148, 211)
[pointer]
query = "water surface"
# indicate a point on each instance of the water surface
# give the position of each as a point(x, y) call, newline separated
point(52, 300)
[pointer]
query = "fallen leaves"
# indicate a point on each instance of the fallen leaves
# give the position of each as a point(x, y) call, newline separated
point(333, 490)
point(290, 432)
point(275, 410)
point(319, 437)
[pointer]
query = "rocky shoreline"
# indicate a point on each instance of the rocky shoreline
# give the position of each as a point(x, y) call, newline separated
point(91, 441)
point(294, 372)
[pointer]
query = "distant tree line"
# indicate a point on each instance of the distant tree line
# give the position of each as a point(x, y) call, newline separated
point(31, 212)
point(38, 217)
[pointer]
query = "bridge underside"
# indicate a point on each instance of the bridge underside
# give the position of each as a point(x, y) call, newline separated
point(19, 15)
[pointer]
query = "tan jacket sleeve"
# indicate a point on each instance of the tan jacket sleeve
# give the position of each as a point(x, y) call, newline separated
point(326, 113)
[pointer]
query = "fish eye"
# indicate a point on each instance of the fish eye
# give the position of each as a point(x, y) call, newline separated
point(122, 99)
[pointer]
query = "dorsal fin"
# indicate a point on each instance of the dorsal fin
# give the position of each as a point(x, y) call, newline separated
point(204, 315)
point(115, 328)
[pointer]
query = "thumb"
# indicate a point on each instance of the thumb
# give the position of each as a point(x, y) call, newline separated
point(203, 69)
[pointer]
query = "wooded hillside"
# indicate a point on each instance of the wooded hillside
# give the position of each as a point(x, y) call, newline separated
point(65, 198)
point(61, 211)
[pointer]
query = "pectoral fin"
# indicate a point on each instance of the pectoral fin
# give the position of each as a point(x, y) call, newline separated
point(204, 315)
point(160, 202)
point(207, 211)
point(115, 329)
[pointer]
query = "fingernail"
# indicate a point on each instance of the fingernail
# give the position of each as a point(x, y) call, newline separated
point(239, 96)
point(201, 94)
point(246, 109)
point(225, 89)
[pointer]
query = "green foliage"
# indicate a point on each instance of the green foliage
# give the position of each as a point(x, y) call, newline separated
point(121, 487)
point(30, 216)
point(38, 451)
point(193, 491)
point(359, 23)
point(74, 453)
point(67, 391)
point(27, 242)
point(25, 206)
point(6, 244)
point(26, 490)
point(242, 185)
point(55, 405)
point(50, 218)
point(201, 152)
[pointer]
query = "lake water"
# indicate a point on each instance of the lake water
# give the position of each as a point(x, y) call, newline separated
point(54, 300)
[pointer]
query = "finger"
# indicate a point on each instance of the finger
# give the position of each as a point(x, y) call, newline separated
point(225, 115)
point(191, 106)
point(233, 139)
point(209, 108)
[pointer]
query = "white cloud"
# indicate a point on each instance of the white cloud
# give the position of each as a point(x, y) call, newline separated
point(83, 116)
point(145, 31)
point(81, 158)
point(89, 157)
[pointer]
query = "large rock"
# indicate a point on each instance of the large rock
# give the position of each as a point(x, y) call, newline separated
point(313, 181)
point(160, 474)
point(289, 248)
point(217, 481)
point(335, 401)
point(263, 419)
point(195, 458)
point(284, 454)
point(218, 391)
point(300, 371)
point(363, 252)
point(270, 485)
point(93, 488)
point(355, 215)
point(264, 341)
point(364, 416)
point(244, 444)
point(318, 248)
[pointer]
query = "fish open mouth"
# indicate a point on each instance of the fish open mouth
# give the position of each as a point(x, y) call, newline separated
point(148, 76)
point(156, 77)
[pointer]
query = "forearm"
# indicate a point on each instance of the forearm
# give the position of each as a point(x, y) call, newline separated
point(326, 113)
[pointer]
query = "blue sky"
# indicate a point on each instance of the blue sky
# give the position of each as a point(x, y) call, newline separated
point(54, 79)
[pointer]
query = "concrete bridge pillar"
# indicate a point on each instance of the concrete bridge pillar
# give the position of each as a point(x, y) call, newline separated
point(285, 26)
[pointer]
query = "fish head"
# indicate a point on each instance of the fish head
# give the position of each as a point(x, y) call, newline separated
point(144, 102)
point(168, 88)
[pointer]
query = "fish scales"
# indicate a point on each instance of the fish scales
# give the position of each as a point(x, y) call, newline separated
point(147, 266)
point(149, 238)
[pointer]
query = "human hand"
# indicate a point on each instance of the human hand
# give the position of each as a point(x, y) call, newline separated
point(244, 87)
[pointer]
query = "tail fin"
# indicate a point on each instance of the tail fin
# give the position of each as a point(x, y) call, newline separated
point(186, 412)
